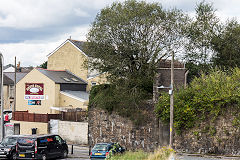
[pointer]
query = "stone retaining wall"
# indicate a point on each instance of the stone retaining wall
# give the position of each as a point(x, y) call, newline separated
point(211, 137)
point(114, 128)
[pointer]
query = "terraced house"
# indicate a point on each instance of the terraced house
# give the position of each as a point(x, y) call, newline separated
point(45, 94)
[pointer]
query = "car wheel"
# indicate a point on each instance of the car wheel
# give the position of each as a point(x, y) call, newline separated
point(44, 156)
point(13, 156)
point(65, 154)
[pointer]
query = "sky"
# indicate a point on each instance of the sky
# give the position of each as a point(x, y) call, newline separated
point(31, 29)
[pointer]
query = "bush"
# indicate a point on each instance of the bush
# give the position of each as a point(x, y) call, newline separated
point(207, 96)
point(126, 102)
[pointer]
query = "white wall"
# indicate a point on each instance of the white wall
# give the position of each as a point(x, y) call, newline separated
point(72, 132)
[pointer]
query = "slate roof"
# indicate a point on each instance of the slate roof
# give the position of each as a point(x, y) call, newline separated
point(78, 94)
point(7, 80)
point(19, 75)
point(8, 66)
point(79, 44)
point(62, 76)
point(21, 69)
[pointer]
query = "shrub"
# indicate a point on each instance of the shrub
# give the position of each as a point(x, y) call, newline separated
point(127, 103)
point(207, 96)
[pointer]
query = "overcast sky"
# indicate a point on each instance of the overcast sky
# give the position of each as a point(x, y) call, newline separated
point(31, 29)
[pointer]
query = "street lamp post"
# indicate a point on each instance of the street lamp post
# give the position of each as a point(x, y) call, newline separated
point(2, 107)
point(171, 101)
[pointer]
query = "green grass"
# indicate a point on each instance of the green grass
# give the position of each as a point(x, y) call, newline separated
point(139, 155)
point(160, 154)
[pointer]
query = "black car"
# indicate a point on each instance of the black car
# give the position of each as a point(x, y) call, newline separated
point(8, 147)
point(41, 147)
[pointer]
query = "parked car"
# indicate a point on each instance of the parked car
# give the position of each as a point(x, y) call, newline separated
point(102, 150)
point(41, 147)
point(8, 147)
point(117, 148)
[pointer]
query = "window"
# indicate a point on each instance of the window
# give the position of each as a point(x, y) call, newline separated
point(58, 139)
point(74, 79)
point(66, 79)
point(11, 91)
point(93, 83)
point(26, 141)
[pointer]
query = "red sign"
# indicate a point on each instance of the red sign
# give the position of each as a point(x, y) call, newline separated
point(34, 89)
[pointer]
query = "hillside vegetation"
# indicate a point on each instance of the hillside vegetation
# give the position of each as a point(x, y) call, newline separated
point(207, 96)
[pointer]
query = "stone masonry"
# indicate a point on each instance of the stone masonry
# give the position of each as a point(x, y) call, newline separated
point(104, 127)
point(210, 136)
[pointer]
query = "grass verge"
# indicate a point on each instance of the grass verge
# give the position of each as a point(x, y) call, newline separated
point(160, 154)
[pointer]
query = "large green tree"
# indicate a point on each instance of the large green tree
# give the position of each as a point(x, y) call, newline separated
point(43, 65)
point(128, 39)
point(203, 28)
point(227, 46)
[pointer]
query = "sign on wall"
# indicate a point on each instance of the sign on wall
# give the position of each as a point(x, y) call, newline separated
point(34, 102)
point(32, 97)
point(34, 89)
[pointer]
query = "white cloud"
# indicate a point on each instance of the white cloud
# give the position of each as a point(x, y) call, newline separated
point(42, 14)
point(79, 12)
point(34, 52)
point(27, 53)
point(33, 13)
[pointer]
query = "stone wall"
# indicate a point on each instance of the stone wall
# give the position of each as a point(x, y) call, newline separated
point(211, 137)
point(114, 128)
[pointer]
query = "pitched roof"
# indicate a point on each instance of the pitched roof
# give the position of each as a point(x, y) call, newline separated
point(7, 80)
point(78, 44)
point(80, 95)
point(8, 66)
point(19, 75)
point(11, 68)
point(62, 76)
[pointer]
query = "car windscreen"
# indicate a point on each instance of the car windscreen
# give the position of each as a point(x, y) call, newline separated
point(9, 141)
point(26, 141)
point(100, 147)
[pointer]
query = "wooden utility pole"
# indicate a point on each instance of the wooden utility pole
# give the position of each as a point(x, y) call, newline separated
point(15, 82)
point(171, 102)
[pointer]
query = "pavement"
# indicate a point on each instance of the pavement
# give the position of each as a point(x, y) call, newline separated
point(204, 157)
point(79, 152)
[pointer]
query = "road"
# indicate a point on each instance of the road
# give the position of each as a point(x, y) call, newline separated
point(81, 153)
